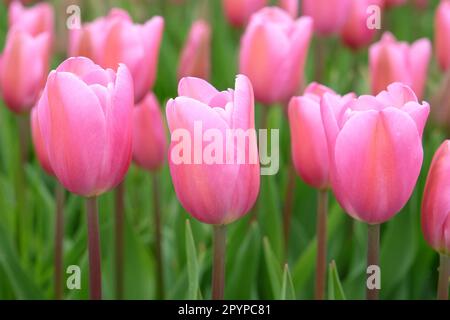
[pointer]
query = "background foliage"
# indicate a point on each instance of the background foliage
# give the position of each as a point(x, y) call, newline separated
point(258, 266)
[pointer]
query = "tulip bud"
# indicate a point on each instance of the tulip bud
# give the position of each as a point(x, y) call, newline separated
point(238, 12)
point(38, 142)
point(435, 204)
point(85, 117)
point(375, 150)
point(356, 32)
point(393, 61)
point(115, 39)
point(217, 181)
point(273, 53)
point(308, 141)
point(442, 34)
point(33, 20)
point(195, 57)
point(329, 15)
point(23, 68)
point(149, 136)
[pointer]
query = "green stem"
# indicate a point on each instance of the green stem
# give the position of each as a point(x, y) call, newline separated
point(287, 209)
point(218, 276)
point(59, 238)
point(158, 238)
point(444, 274)
point(321, 234)
point(119, 222)
point(373, 255)
point(319, 63)
point(95, 272)
point(20, 189)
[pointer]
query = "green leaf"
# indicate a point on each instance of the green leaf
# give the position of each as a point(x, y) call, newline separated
point(192, 264)
point(304, 266)
point(23, 286)
point(273, 268)
point(335, 290)
point(242, 284)
point(287, 289)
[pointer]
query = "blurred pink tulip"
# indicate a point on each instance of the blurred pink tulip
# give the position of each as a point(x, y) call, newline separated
point(442, 34)
point(195, 57)
point(115, 39)
point(355, 32)
point(393, 61)
point(23, 68)
point(308, 141)
point(38, 142)
point(218, 191)
point(238, 12)
point(149, 134)
point(329, 15)
point(435, 204)
point(290, 6)
point(375, 150)
point(273, 53)
point(34, 20)
point(85, 117)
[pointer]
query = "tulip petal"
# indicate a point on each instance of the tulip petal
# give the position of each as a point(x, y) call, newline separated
point(197, 185)
point(263, 50)
point(197, 89)
point(75, 132)
point(436, 205)
point(309, 144)
point(380, 179)
point(419, 55)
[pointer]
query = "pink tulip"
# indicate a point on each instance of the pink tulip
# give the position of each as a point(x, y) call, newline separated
point(436, 205)
point(442, 34)
point(85, 117)
point(34, 20)
point(238, 12)
point(392, 61)
point(149, 135)
point(216, 191)
point(273, 53)
point(195, 57)
point(23, 68)
point(375, 150)
point(308, 141)
point(329, 15)
point(290, 6)
point(355, 32)
point(38, 142)
point(115, 39)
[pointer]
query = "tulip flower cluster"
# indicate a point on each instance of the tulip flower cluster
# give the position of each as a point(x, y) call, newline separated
point(104, 108)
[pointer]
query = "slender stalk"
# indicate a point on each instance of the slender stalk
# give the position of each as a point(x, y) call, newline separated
point(95, 272)
point(444, 274)
point(287, 209)
point(319, 63)
point(59, 237)
point(20, 190)
point(158, 244)
point(321, 234)
point(218, 276)
point(119, 221)
point(373, 255)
